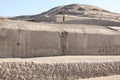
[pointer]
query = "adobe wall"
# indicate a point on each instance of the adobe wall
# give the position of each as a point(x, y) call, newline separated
point(25, 43)
point(92, 44)
point(45, 18)
point(59, 18)
point(55, 18)
point(21, 43)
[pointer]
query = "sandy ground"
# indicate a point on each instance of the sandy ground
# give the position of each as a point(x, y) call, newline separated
point(113, 77)
point(64, 59)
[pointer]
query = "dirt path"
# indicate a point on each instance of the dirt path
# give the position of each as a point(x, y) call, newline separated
point(64, 59)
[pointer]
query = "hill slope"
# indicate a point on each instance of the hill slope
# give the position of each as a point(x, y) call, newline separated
point(78, 10)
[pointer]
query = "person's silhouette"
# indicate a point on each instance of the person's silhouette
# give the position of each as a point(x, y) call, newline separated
point(63, 17)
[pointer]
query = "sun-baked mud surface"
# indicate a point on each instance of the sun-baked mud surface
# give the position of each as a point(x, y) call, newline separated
point(59, 68)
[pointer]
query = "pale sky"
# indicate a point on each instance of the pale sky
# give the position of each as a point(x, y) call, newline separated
point(31, 7)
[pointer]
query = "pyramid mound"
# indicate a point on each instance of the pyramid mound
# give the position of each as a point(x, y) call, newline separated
point(73, 9)
point(77, 10)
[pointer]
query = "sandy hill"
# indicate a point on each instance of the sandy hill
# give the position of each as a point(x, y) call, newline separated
point(78, 10)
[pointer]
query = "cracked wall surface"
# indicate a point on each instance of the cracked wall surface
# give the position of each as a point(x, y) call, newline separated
point(23, 40)
point(21, 43)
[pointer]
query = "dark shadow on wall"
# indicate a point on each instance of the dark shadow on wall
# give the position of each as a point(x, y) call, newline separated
point(63, 42)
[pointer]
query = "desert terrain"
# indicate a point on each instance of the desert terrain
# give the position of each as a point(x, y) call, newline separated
point(70, 42)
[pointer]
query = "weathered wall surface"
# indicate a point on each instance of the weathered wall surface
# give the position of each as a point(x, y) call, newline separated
point(45, 18)
point(61, 41)
point(62, 18)
point(55, 18)
point(20, 43)
point(93, 44)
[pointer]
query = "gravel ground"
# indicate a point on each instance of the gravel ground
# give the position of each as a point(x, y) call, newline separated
point(59, 68)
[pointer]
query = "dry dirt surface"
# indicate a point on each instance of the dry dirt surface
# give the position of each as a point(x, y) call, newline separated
point(113, 77)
